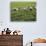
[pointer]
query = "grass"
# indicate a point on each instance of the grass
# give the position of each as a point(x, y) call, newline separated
point(23, 15)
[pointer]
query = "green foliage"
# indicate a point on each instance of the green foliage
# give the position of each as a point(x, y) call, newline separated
point(23, 15)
